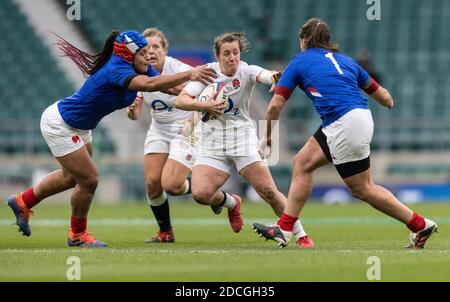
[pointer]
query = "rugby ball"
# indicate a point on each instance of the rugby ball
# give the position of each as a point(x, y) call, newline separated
point(214, 88)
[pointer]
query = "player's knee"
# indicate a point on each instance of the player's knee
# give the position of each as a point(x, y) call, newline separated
point(202, 196)
point(89, 183)
point(69, 181)
point(302, 164)
point(154, 188)
point(361, 192)
point(172, 187)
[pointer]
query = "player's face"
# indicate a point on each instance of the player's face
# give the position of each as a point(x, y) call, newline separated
point(302, 44)
point(229, 58)
point(157, 52)
point(142, 60)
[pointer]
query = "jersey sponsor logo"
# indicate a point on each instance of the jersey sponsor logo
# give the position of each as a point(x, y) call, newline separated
point(161, 106)
point(314, 92)
point(75, 139)
point(230, 108)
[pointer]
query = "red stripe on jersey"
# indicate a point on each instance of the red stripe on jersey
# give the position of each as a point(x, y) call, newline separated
point(283, 91)
point(372, 87)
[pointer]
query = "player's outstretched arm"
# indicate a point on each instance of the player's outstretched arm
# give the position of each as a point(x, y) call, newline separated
point(268, 77)
point(382, 96)
point(175, 90)
point(272, 114)
point(376, 91)
point(202, 74)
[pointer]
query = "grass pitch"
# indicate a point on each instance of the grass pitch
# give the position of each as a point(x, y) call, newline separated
point(206, 249)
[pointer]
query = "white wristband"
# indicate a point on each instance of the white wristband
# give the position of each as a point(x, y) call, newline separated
point(265, 77)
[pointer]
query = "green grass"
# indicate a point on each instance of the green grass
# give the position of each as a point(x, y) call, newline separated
point(207, 249)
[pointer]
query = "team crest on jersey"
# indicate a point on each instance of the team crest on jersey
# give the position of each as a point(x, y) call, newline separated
point(236, 84)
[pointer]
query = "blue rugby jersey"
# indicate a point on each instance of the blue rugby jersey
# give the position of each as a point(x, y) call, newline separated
point(102, 93)
point(331, 80)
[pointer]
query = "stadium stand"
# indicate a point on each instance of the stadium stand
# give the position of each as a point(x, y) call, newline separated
point(409, 48)
point(404, 51)
point(187, 24)
point(33, 82)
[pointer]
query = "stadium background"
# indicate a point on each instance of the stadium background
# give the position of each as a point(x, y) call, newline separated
point(408, 49)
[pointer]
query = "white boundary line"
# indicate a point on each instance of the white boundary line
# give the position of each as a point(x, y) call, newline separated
point(218, 221)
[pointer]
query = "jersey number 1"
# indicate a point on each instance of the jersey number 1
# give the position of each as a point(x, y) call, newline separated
point(330, 56)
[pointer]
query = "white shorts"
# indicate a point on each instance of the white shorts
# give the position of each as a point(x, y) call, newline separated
point(226, 163)
point(160, 141)
point(157, 141)
point(349, 137)
point(61, 138)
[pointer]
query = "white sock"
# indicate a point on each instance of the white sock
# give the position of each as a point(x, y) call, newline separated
point(230, 202)
point(298, 230)
point(156, 202)
point(186, 187)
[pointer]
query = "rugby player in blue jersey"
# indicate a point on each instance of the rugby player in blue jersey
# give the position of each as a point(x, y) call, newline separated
point(114, 77)
point(333, 81)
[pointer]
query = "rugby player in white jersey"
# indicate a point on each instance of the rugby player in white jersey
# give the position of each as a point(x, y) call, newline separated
point(168, 161)
point(229, 140)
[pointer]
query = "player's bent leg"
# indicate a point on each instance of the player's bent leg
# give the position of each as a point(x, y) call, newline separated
point(22, 203)
point(311, 157)
point(157, 198)
point(206, 182)
point(259, 177)
point(209, 166)
point(54, 183)
point(308, 159)
point(174, 179)
point(80, 165)
point(362, 187)
point(153, 167)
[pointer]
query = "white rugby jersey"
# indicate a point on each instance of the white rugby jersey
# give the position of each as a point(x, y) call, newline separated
point(163, 111)
point(234, 130)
